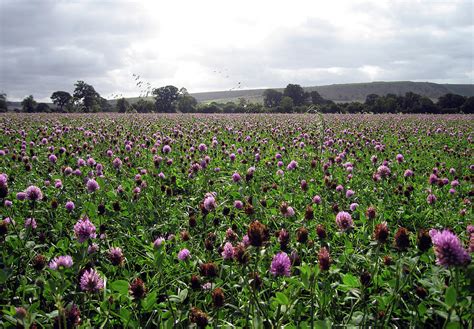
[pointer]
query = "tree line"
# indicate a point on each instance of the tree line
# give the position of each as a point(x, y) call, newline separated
point(293, 99)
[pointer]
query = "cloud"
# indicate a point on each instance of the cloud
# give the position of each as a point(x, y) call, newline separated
point(211, 45)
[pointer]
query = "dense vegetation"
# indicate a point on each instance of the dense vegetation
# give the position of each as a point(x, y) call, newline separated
point(295, 221)
point(293, 99)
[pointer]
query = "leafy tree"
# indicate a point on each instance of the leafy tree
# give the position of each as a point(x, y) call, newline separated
point(42, 107)
point(426, 105)
point(355, 107)
point(61, 99)
point(316, 98)
point(165, 98)
point(229, 107)
point(122, 105)
point(143, 106)
point(450, 101)
point(370, 99)
point(468, 106)
point(209, 108)
point(297, 93)
point(3, 103)
point(104, 105)
point(272, 98)
point(186, 103)
point(287, 104)
point(87, 98)
point(28, 104)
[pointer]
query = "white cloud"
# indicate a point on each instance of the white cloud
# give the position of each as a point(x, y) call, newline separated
point(213, 45)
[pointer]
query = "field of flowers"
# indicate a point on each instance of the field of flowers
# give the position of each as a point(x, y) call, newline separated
point(256, 221)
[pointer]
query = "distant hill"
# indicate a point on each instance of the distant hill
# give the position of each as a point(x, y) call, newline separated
point(349, 92)
point(337, 92)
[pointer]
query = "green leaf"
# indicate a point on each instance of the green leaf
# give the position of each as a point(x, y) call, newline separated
point(183, 294)
point(350, 280)
point(149, 301)
point(120, 286)
point(281, 298)
point(450, 296)
point(453, 325)
point(124, 315)
point(422, 309)
point(322, 324)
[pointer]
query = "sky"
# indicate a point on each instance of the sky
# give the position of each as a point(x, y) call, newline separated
point(204, 45)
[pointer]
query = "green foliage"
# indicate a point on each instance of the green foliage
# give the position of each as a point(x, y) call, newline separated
point(28, 104)
point(122, 105)
point(165, 98)
point(296, 93)
point(272, 98)
point(62, 99)
point(86, 98)
point(3, 102)
point(160, 192)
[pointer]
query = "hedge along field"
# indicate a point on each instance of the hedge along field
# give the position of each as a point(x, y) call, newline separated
point(292, 221)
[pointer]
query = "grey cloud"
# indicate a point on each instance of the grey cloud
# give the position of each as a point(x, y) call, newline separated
point(46, 46)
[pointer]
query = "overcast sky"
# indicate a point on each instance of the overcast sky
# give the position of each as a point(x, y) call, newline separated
point(213, 45)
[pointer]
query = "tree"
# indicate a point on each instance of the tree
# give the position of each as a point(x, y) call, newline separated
point(229, 107)
point(165, 98)
point(468, 106)
point(104, 105)
point(28, 104)
point(42, 107)
point(122, 105)
point(3, 102)
point(370, 99)
point(316, 98)
point(272, 98)
point(186, 103)
point(86, 97)
point(287, 104)
point(143, 106)
point(451, 101)
point(61, 99)
point(295, 92)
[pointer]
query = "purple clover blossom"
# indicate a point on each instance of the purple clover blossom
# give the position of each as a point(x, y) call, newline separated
point(92, 185)
point(61, 262)
point(383, 171)
point(202, 147)
point(33, 193)
point(184, 254)
point(281, 265)
point(209, 202)
point(353, 206)
point(158, 242)
point(349, 193)
point(84, 230)
point(228, 252)
point(317, 199)
point(31, 223)
point(21, 196)
point(91, 281)
point(448, 249)
point(292, 165)
point(3, 181)
point(166, 149)
point(238, 204)
point(344, 221)
point(236, 177)
point(431, 198)
point(52, 158)
point(70, 206)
